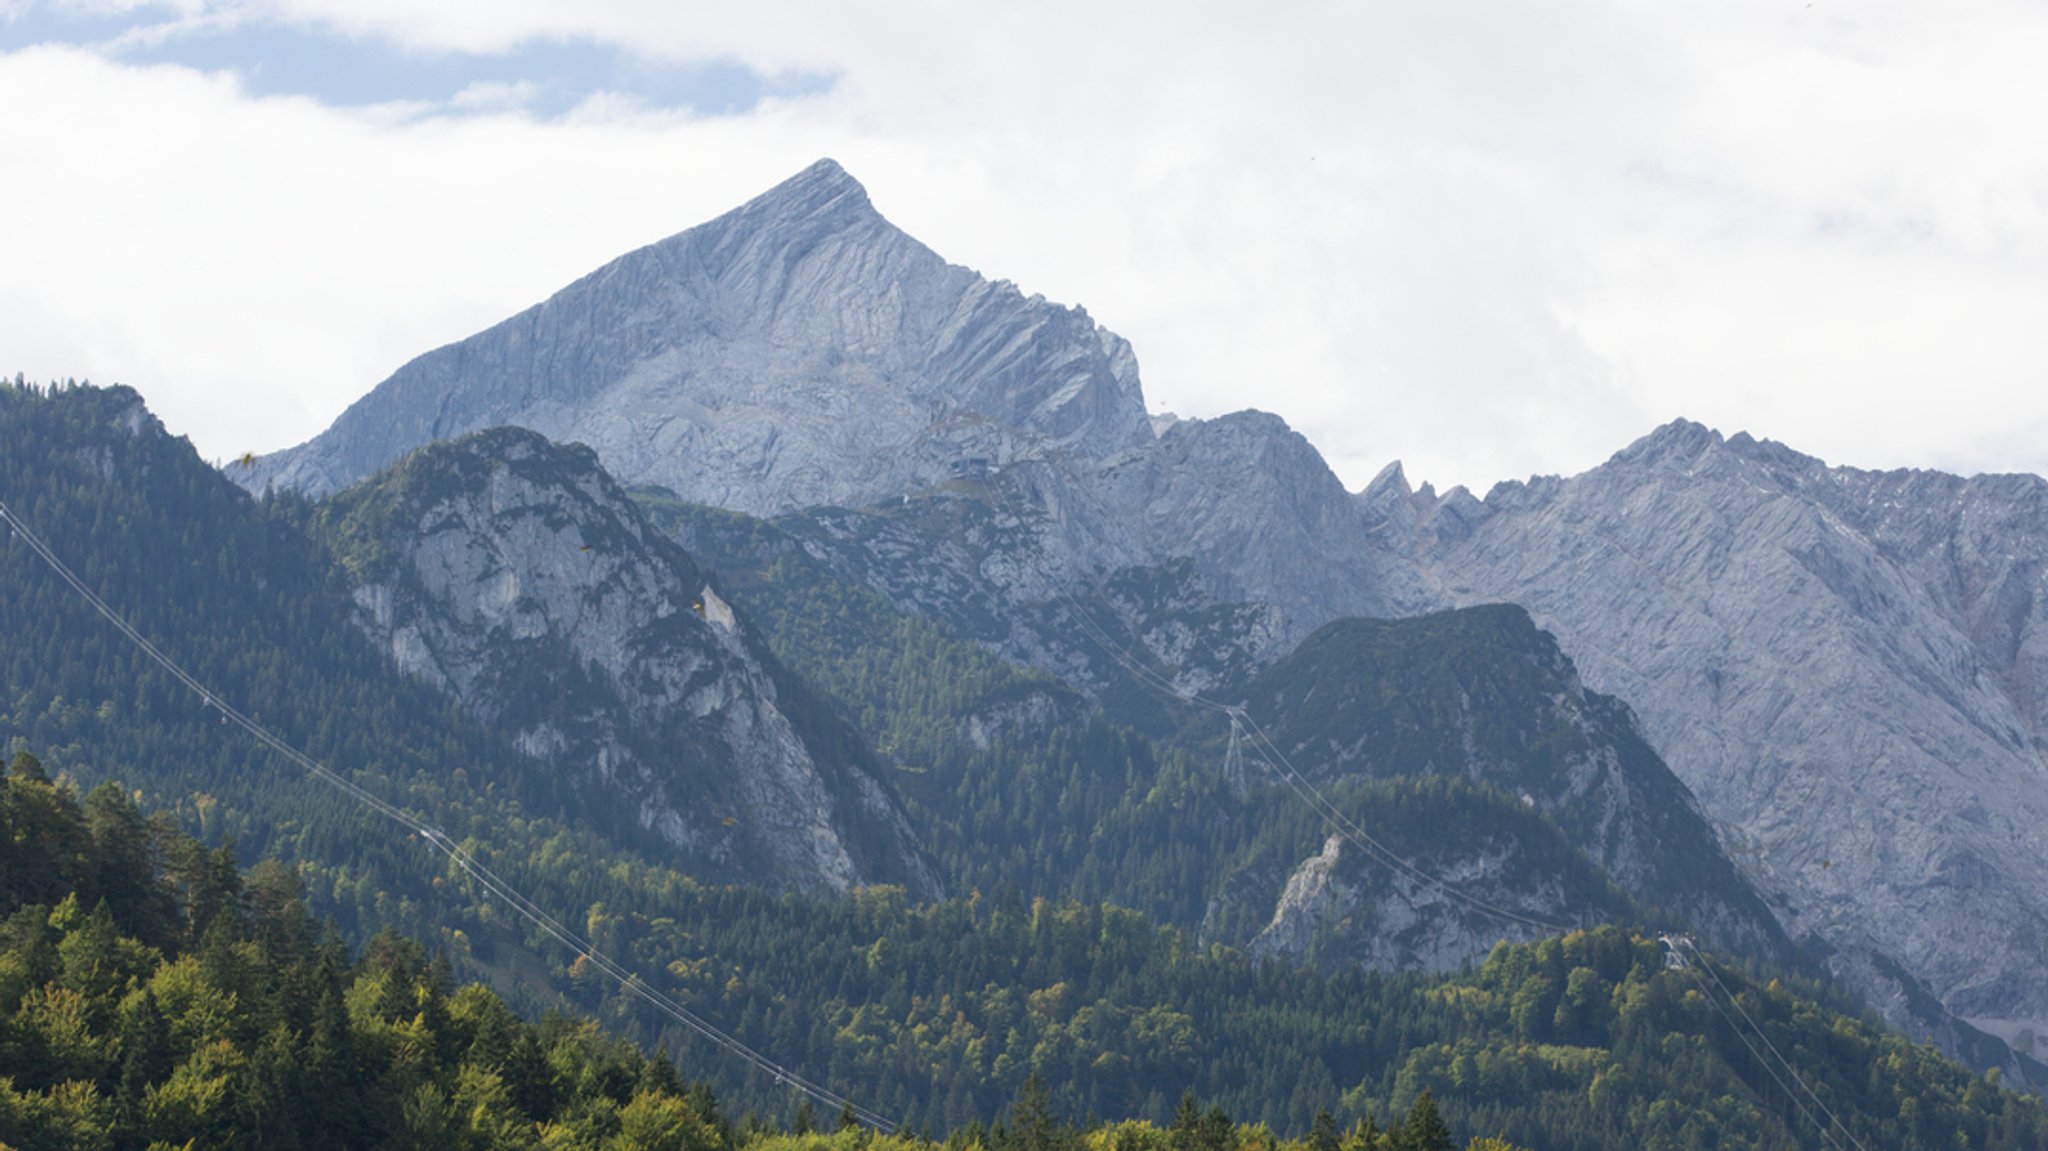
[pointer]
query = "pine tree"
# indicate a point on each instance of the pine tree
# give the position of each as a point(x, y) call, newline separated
point(27, 767)
point(1216, 1132)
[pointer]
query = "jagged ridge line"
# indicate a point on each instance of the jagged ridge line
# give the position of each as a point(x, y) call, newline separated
point(439, 840)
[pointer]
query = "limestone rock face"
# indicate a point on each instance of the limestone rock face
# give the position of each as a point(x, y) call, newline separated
point(799, 350)
point(1847, 668)
point(1339, 910)
point(516, 576)
point(1261, 516)
point(1208, 552)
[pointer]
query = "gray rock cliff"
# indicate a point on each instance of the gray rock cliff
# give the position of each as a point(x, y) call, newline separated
point(514, 575)
point(801, 351)
point(1340, 910)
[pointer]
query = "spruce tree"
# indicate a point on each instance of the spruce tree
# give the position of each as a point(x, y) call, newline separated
point(1033, 1125)
point(1425, 1129)
point(145, 1054)
point(1323, 1136)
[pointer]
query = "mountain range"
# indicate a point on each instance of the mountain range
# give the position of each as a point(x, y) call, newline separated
point(783, 555)
point(1844, 667)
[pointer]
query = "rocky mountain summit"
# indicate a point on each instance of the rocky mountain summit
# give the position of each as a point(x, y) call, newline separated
point(799, 350)
point(514, 575)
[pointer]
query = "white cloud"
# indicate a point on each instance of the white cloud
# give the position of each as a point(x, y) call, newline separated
point(1489, 238)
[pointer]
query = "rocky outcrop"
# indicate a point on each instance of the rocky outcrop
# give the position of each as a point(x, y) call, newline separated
point(1253, 506)
point(1480, 694)
point(1207, 553)
point(514, 575)
point(1342, 909)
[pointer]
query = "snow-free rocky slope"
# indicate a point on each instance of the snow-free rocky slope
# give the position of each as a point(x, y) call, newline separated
point(515, 576)
point(1462, 738)
point(799, 350)
point(1845, 667)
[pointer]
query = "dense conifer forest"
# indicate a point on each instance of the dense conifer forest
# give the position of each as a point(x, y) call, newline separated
point(153, 993)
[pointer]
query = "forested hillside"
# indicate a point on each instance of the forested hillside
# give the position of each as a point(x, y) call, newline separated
point(1482, 694)
point(150, 992)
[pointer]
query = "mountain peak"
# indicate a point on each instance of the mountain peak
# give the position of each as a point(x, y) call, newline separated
point(1686, 444)
point(1680, 440)
point(824, 172)
point(1391, 480)
point(759, 362)
point(823, 189)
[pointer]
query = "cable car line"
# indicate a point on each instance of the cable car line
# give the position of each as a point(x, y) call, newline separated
point(1708, 994)
point(1699, 962)
point(439, 841)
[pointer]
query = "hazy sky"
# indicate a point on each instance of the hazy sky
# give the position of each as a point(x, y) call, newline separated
point(1489, 239)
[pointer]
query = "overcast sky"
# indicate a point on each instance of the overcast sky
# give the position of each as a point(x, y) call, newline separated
point(1489, 239)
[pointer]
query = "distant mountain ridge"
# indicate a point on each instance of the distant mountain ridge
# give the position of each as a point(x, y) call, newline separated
point(1846, 667)
point(802, 351)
